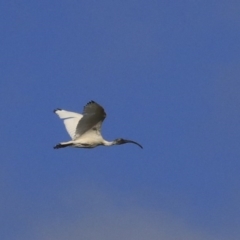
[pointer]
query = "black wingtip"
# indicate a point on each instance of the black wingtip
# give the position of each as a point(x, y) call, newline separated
point(90, 102)
point(57, 109)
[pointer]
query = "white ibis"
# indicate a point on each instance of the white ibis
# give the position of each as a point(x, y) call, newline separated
point(85, 130)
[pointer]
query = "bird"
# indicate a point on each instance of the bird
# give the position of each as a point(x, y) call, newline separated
point(85, 129)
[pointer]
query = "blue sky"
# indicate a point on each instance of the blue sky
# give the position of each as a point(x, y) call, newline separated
point(167, 74)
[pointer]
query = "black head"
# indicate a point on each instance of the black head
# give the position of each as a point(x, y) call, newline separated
point(120, 141)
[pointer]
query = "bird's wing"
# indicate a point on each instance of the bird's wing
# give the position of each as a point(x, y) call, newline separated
point(70, 119)
point(91, 122)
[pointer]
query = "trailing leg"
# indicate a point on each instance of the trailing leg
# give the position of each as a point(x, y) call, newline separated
point(62, 145)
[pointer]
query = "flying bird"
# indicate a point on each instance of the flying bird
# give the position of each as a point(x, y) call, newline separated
point(85, 129)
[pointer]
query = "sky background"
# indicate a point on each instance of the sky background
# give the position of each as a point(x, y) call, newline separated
point(167, 74)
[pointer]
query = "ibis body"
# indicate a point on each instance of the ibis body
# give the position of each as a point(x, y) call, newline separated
point(85, 129)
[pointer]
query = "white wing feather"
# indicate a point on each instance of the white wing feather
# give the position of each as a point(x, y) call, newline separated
point(90, 124)
point(70, 120)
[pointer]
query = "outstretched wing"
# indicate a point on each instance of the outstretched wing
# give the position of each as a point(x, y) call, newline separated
point(70, 119)
point(93, 116)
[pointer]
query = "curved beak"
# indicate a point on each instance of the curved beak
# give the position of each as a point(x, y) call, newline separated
point(130, 141)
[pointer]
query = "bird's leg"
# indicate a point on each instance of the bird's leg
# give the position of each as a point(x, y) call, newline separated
point(60, 145)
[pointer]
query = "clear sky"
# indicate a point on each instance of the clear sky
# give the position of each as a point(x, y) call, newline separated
point(167, 74)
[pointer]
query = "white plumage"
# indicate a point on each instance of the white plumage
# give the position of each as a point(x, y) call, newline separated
point(85, 129)
point(70, 120)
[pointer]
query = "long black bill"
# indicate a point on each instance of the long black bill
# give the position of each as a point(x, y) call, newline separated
point(130, 141)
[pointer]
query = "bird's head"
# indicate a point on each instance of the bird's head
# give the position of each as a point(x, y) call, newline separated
point(120, 141)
